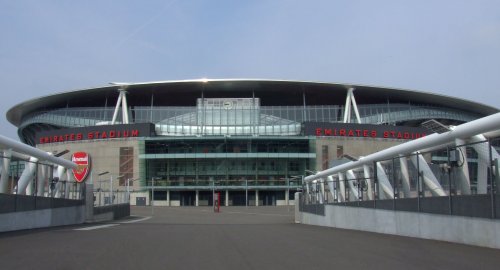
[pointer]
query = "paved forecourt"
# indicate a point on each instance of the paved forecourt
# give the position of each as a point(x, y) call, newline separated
point(236, 238)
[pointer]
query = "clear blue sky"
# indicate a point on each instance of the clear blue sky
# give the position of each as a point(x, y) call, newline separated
point(447, 47)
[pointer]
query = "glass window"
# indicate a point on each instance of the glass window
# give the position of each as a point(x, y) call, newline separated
point(126, 164)
point(324, 157)
point(340, 151)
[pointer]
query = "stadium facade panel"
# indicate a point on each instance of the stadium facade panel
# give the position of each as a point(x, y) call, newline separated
point(251, 140)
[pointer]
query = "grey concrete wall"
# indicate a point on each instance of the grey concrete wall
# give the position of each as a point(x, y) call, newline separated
point(465, 230)
point(51, 217)
point(42, 218)
point(115, 211)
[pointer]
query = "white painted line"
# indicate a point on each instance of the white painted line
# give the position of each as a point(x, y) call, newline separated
point(136, 220)
point(252, 213)
point(96, 227)
point(257, 214)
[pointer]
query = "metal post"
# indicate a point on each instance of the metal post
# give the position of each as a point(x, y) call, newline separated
point(111, 189)
point(346, 191)
point(128, 189)
point(318, 192)
point(496, 164)
point(246, 192)
point(51, 178)
point(288, 192)
point(394, 184)
point(100, 190)
point(360, 191)
point(335, 190)
point(418, 183)
point(492, 182)
point(218, 202)
point(449, 180)
point(376, 187)
point(152, 195)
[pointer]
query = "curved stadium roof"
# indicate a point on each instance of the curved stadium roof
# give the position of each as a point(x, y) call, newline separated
point(271, 93)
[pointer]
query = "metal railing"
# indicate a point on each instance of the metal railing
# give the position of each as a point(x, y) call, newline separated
point(163, 183)
point(104, 197)
point(452, 180)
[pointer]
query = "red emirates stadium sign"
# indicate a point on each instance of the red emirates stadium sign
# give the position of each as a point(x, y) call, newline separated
point(107, 132)
point(363, 131)
point(82, 159)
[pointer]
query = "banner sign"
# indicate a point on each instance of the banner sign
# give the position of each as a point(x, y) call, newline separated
point(96, 133)
point(82, 159)
point(363, 130)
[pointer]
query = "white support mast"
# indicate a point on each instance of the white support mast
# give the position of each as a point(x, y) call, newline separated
point(122, 101)
point(350, 100)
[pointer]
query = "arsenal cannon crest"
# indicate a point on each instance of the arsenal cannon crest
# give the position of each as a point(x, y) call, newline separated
point(82, 159)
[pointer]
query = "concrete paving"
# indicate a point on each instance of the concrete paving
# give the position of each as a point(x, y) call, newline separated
point(236, 238)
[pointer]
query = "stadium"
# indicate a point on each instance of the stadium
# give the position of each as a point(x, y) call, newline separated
point(250, 140)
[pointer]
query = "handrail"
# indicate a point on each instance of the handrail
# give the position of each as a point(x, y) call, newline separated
point(479, 126)
point(34, 152)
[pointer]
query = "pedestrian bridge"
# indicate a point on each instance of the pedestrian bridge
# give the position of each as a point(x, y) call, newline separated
point(444, 186)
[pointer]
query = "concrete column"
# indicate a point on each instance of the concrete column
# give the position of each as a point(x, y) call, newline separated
point(197, 198)
point(351, 178)
point(287, 193)
point(60, 172)
point(497, 174)
point(482, 175)
point(27, 176)
point(331, 187)
point(385, 185)
point(405, 176)
point(341, 192)
point(430, 179)
point(369, 181)
point(4, 179)
point(256, 198)
point(70, 184)
point(168, 197)
point(42, 180)
point(462, 168)
point(322, 191)
point(227, 197)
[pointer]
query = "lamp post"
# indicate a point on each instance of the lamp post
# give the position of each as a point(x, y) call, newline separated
point(100, 181)
point(213, 193)
point(128, 187)
point(111, 187)
point(153, 193)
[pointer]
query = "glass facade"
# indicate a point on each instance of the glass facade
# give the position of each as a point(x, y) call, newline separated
point(222, 162)
point(374, 113)
point(243, 118)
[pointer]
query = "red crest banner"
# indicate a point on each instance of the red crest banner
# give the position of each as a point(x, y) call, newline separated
point(82, 159)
